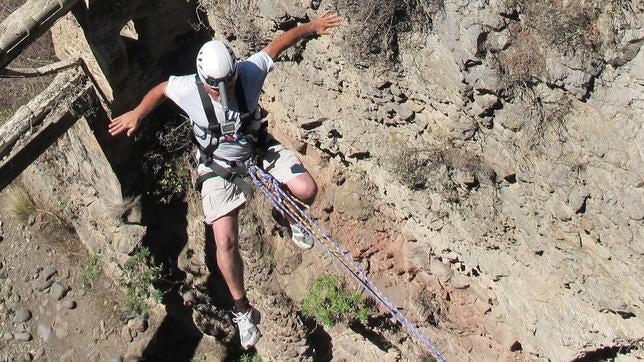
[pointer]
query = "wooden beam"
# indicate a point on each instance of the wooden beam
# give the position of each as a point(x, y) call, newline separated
point(40, 123)
point(40, 71)
point(28, 23)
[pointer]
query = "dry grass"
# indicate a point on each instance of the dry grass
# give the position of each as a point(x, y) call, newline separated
point(523, 62)
point(21, 205)
point(543, 115)
point(571, 27)
point(450, 172)
point(373, 27)
point(237, 20)
point(22, 208)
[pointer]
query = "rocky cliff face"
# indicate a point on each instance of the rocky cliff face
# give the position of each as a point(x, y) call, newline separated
point(482, 159)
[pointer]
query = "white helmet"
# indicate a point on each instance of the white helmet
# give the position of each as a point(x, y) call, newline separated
point(216, 64)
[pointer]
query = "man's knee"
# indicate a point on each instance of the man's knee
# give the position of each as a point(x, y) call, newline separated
point(304, 188)
point(226, 243)
point(225, 232)
point(311, 191)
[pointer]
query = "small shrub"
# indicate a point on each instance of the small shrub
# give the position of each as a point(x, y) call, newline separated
point(167, 162)
point(570, 27)
point(92, 270)
point(522, 63)
point(410, 166)
point(450, 172)
point(543, 115)
point(172, 183)
point(21, 206)
point(329, 303)
point(237, 19)
point(249, 358)
point(199, 358)
point(373, 27)
point(138, 275)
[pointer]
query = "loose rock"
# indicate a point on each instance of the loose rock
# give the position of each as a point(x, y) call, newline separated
point(126, 334)
point(22, 336)
point(40, 352)
point(65, 274)
point(47, 272)
point(58, 291)
point(69, 304)
point(137, 324)
point(44, 331)
point(43, 285)
point(22, 315)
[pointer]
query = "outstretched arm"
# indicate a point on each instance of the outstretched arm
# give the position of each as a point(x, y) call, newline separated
point(131, 121)
point(319, 26)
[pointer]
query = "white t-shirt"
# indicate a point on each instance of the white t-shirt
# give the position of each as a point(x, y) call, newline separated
point(182, 90)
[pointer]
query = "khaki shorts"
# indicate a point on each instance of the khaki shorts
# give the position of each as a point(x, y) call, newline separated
point(219, 197)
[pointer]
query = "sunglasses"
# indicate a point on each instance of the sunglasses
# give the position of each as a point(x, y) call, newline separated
point(213, 83)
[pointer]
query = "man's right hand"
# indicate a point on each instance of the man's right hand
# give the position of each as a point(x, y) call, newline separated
point(128, 122)
point(131, 121)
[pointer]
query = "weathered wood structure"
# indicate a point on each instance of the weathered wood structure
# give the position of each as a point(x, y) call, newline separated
point(26, 24)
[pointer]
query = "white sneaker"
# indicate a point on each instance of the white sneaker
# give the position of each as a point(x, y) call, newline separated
point(247, 323)
point(302, 238)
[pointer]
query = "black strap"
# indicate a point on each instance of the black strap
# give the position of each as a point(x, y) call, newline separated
point(259, 136)
point(241, 97)
point(246, 115)
point(213, 124)
point(209, 109)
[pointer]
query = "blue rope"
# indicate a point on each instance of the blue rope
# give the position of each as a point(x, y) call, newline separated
point(274, 192)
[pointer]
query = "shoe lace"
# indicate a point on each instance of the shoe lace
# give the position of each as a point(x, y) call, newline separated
point(297, 230)
point(241, 317)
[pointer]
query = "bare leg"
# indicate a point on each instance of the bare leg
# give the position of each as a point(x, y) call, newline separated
point(303, 187)
point(226, 231)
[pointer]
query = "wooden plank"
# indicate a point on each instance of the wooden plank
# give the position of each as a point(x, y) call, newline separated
point(28, 23)
point(47, 117)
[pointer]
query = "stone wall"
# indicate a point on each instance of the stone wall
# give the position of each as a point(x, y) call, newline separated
point(524, 137)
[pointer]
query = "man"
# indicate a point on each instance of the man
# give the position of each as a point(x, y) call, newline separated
point(221, 102)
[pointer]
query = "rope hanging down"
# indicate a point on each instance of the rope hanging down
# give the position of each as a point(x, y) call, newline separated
point(273, 190)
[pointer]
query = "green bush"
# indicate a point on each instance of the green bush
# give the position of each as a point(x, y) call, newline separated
point(167, 162)
point(139, 272)
point(329, 303)
point(92, 270)
point(250, 358)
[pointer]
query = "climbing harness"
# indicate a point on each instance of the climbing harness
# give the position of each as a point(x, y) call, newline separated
point(227, 131)
point(288, 205)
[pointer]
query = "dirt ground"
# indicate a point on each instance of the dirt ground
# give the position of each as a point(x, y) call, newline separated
point(42, 262)
point(34, 324)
